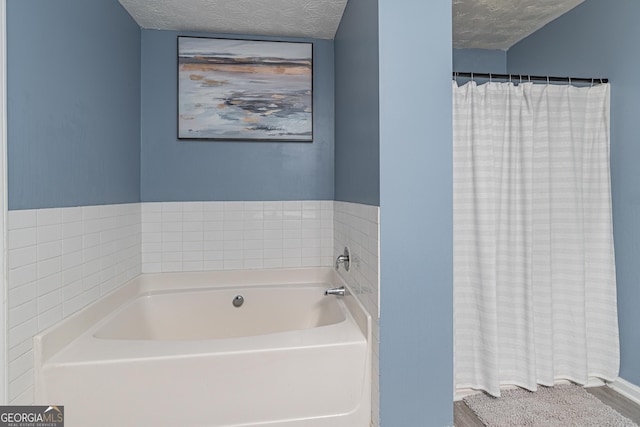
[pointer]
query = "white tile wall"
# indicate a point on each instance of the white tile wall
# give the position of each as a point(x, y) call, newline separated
point(357, 226)
point(200, 236)
point(60, 260)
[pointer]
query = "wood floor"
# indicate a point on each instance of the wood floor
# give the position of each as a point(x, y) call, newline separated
point(464, 417)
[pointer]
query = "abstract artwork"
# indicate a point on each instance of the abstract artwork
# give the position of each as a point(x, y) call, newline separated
point(244, 90)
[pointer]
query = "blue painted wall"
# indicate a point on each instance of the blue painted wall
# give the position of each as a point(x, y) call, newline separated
point(182, 170)
point(480, 61)
point(357, 146)
point(73, 72)
point(599, 39)
point(416, 327)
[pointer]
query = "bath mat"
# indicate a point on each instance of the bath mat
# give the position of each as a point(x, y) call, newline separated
point(565, 405)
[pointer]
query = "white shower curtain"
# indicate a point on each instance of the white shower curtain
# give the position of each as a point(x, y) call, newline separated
point(534, 272)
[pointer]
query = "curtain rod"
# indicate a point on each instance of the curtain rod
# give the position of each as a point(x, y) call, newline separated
point(527, 78)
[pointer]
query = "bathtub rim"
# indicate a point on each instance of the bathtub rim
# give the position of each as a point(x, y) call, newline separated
point(54, 339)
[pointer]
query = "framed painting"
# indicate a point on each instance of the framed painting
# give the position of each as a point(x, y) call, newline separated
point(245, 90)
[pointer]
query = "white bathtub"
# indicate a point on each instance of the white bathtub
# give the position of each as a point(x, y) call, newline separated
point(172, 350)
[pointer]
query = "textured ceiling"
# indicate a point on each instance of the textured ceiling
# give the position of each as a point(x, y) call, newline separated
point(295, 18)
point(483, 24)
point(499, 24)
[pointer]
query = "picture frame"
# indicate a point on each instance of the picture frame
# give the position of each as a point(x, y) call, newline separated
point(244, 90)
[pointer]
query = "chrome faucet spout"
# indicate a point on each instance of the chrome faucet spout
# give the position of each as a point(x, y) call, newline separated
point(340, 291)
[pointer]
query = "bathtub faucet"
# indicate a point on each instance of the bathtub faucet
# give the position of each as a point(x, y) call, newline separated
point(335, 291)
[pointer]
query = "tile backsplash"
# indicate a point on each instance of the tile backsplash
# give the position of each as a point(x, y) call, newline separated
point(204, 236)
point(59, 261)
